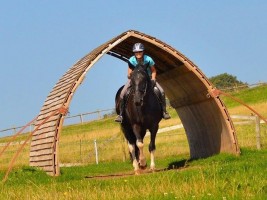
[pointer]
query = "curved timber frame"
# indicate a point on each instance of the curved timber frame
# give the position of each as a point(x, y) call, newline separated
point(208, 126)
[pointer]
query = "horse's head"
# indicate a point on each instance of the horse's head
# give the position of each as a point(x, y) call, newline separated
point(140, 81)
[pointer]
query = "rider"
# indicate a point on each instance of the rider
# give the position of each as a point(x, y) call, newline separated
point(140, 58)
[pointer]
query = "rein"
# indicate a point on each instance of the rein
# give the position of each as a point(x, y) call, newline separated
point(142, 71)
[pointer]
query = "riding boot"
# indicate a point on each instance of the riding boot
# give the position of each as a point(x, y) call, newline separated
point(119, 117)
point(165, 114)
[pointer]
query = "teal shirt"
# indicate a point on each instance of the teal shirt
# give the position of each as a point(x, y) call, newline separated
point(147, 61)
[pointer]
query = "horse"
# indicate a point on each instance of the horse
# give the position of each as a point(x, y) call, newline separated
point(142, 112)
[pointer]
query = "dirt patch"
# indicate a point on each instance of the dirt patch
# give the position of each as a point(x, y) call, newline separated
point(128, 174)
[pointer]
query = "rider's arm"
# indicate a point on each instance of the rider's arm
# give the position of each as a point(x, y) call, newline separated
point(129, 72)
point(153, 72)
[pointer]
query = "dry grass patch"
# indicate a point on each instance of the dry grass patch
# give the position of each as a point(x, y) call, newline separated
point(242, 110)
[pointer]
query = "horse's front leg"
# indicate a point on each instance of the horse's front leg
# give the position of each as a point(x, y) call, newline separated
point(135, 162)
point(140, 133)
point(142, 159)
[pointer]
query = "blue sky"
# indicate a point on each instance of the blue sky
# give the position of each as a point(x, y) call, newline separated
point(41, 40)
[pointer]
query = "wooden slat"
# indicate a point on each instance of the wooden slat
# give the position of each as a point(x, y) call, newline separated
point(38, 147)
point(57, 99)
point(41, 164)
point(46, 131)
point(44, 127)
point(51, 118)
point(49, 132)
point(74, 71)
point(57, 88)
point(43, 131)
point(48, 169)
point(69, 77)
point(41, 155)
point(48, 141)
point(58, 93)
point(49, 112)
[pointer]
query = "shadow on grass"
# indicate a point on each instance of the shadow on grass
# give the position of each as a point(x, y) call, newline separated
point(177, 164)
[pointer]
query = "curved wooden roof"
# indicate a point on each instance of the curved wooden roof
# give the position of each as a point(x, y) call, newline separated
point(204, 116)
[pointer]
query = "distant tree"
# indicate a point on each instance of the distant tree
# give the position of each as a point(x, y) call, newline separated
point(225, 80)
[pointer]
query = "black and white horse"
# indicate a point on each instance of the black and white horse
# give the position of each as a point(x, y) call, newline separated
point(142, 112)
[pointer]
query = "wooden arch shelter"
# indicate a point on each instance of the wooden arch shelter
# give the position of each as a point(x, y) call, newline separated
point(208, 126)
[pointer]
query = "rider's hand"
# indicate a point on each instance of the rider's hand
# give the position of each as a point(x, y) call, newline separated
point(153, 82)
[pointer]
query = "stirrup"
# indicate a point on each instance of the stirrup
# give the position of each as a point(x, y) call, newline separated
point(118, 119)
point(166, 115)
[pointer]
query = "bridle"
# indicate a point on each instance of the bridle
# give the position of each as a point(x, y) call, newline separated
point(143, 90)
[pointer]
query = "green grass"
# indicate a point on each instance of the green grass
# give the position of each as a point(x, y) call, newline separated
point(222, 176)
point(249, 96)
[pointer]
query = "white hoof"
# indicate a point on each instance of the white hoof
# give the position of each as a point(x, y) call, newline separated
point(152, 168)
point(143, 166)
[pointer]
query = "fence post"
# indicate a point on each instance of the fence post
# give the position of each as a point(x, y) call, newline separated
point(98, 114)
point(96, 152)
point(81, 118)
point(15, 130)
point(80, 150)
point(258, 132)
point(123, 147)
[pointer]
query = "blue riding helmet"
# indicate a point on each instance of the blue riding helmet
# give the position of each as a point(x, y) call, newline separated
point(138, 47)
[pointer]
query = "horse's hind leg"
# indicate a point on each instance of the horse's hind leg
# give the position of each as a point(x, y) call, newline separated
point(152, 148)
point(152, 161)
point(135, 162)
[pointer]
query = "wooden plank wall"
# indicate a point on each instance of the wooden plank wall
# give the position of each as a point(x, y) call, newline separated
point(44, 144)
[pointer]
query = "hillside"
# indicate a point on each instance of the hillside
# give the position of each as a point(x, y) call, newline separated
point(251, 96)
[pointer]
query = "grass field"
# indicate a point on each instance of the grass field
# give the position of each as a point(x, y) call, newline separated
point(219, 177)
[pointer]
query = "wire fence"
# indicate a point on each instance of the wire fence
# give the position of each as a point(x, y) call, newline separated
point(116, 148)
point(79, 150)
point(237, 88)
point(69, 120)
point(99, 114)
point(92, 147)
point(251, 133)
